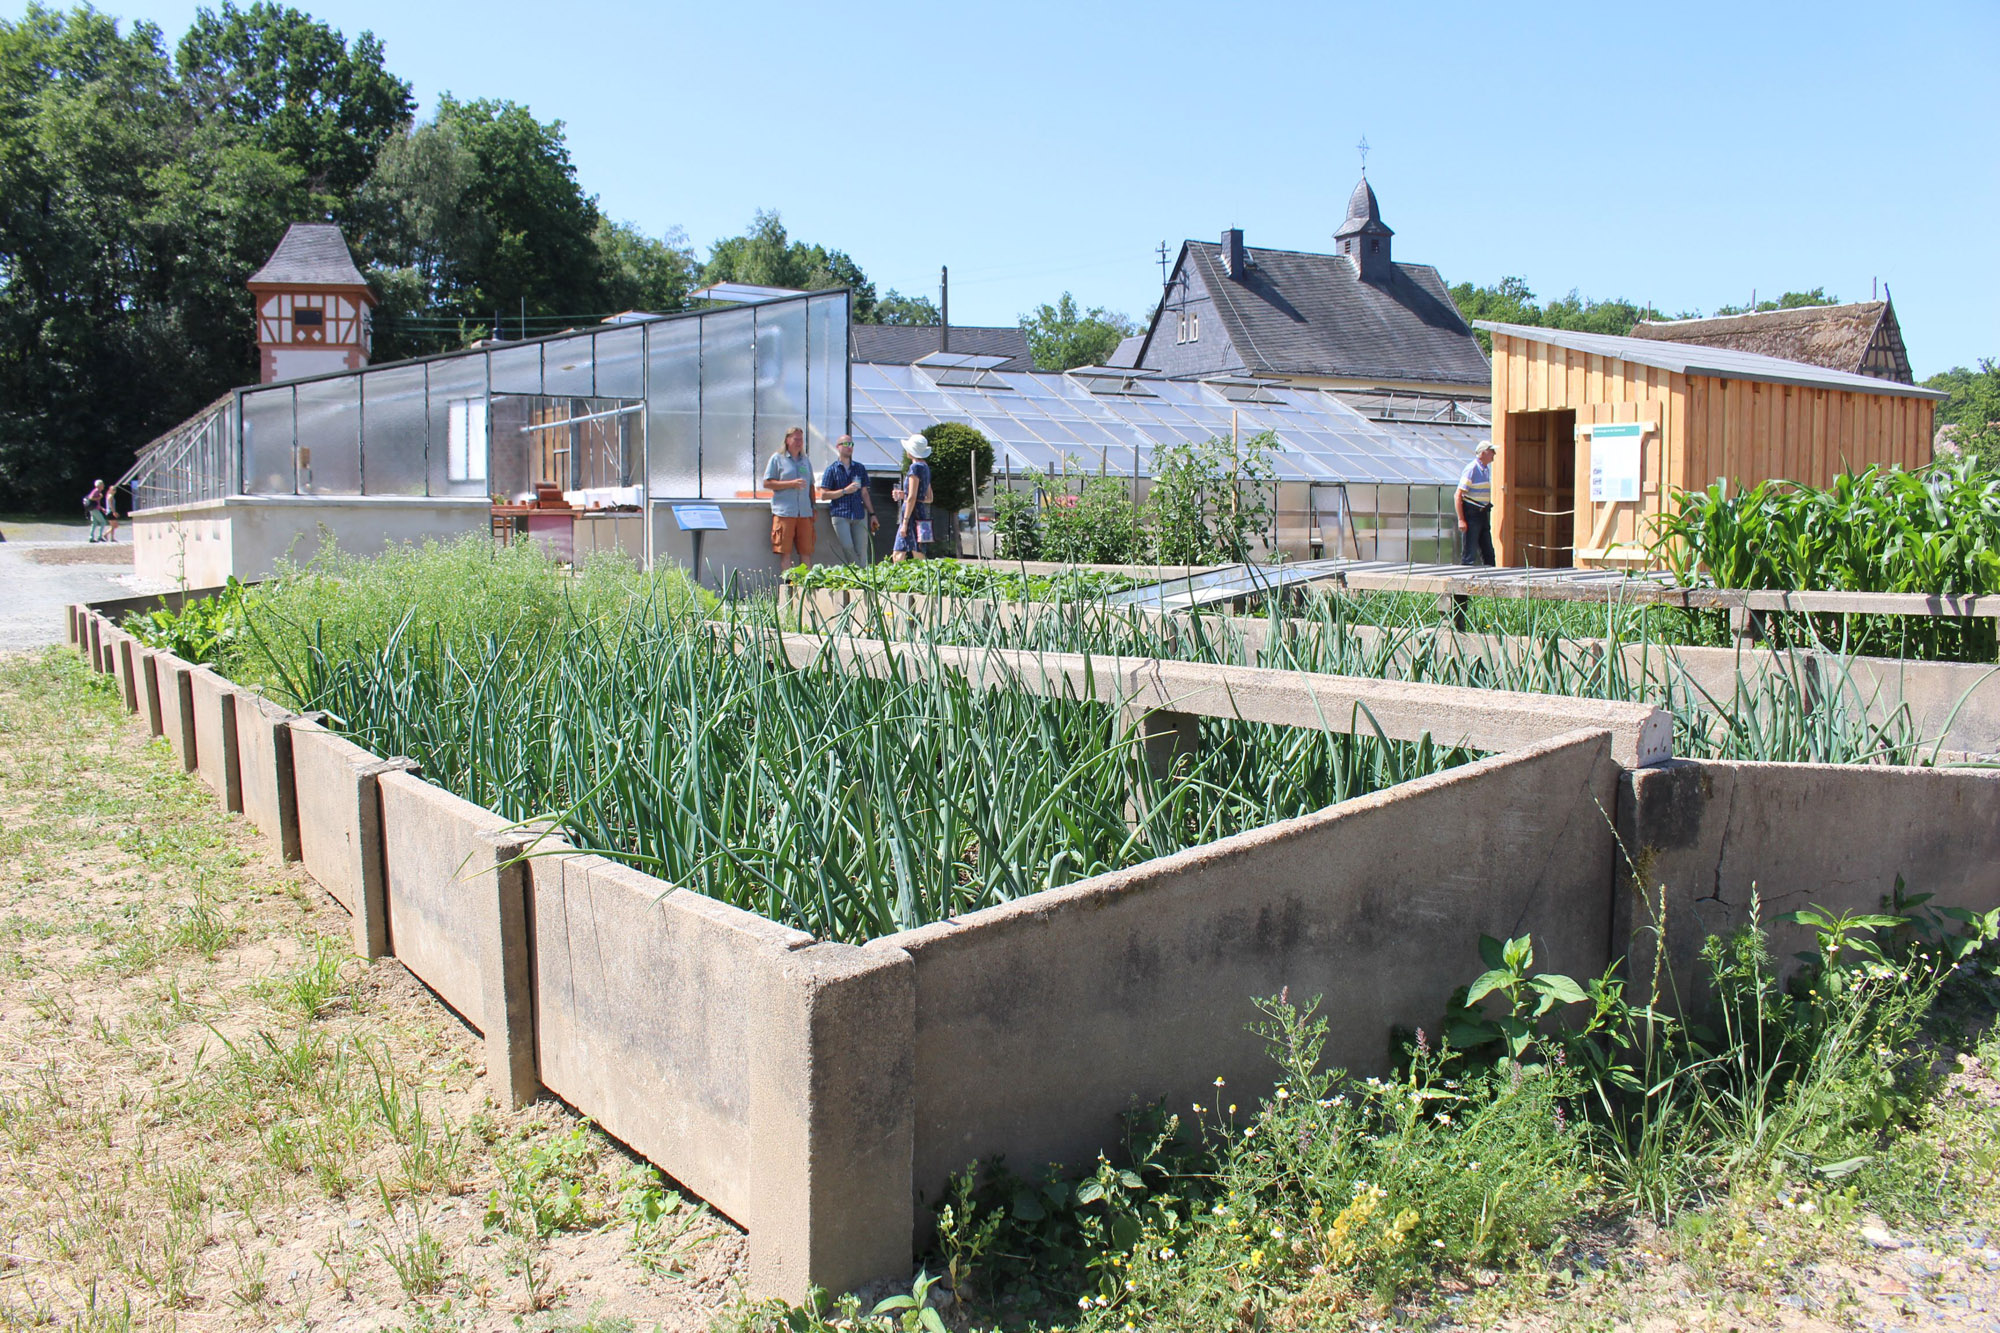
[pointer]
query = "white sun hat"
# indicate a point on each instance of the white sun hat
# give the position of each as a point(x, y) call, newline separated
point(916, 446)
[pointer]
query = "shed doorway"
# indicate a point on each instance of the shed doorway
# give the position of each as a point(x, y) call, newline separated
point(1540, 467)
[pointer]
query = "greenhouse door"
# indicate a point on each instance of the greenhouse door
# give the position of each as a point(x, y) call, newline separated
point(1537, 478)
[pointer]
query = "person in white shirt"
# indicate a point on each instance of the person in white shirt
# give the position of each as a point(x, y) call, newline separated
point(1475, 509)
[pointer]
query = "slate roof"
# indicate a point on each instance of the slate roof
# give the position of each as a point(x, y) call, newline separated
point(311, 254)
point(1834, 336)
point(1295, 313)
point(1364, 215)
point(905, 344)
point(1715, 362)
point(1127, 352)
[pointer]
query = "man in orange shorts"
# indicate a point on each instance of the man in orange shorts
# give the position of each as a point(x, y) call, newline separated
point(789, 478)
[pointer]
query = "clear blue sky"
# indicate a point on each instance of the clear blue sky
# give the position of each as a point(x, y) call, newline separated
point(1681, 154)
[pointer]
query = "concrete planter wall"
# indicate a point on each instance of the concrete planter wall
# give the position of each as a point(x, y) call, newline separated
point(821, 1094)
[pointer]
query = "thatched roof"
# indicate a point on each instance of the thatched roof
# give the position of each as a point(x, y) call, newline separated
point(1838, 337)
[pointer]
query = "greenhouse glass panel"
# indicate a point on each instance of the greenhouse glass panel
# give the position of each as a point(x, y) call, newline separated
point(267, 443)
point(517, 369)
point(394, 432)
point(620, 359)
point(826, 375)
point(728, 402)
point(781, 376)
point(569, 367)
point(673, 408)
point(458, 417)
point(330, 436)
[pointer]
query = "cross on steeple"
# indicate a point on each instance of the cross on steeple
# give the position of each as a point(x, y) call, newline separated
point(1362, 148)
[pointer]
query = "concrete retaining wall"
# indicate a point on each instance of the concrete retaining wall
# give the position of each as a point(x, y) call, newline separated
point(204, 544)
point(176, 706)
point(436, 868)
point(1704, 835)
point(340, 827)
point(264, 761)
point(147, 670)
point(216, 758)
point(1040, 1021)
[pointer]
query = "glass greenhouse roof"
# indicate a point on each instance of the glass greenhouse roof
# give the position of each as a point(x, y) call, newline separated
point(1111, 421)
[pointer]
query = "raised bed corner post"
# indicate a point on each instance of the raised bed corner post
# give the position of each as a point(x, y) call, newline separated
point(506, 971)
point(833, 1122)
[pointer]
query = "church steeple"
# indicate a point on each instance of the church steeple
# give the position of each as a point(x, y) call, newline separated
point(1364, 237)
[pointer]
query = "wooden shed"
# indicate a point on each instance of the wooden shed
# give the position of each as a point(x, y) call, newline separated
point(1594, 433)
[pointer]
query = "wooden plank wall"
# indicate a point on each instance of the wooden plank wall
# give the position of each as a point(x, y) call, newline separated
point(1747, 431)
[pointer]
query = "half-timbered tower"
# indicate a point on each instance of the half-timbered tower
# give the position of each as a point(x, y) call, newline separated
point(312, 306)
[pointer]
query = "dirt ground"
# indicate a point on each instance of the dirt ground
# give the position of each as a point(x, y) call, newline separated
point(213, 1117)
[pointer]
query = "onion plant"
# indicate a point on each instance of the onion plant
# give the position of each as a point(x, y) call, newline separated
point(847, 804)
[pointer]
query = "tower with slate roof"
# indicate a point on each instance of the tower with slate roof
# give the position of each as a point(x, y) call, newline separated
point(313, 306)
point(1364, 237)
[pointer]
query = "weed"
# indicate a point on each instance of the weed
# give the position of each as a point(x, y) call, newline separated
point(662, 1221)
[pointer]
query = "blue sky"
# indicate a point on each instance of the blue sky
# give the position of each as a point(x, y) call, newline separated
point(1683, 155)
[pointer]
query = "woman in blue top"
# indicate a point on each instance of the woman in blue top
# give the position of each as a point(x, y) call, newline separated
point(913, 519)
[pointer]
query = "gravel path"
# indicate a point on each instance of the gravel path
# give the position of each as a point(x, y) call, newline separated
point(46, 566)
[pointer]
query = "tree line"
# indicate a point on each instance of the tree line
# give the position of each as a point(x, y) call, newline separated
point(142, 182)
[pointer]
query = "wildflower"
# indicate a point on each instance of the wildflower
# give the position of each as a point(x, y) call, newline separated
point(1218, 1081)
point(1437, 1244)
point(1282, 1094)
point(1083, 1302)
point(1101, 1302)
point(1197, 1108)
point(1250, 1133)
point(1423, 1044)
point(1220, 1210)
point(1166, 1252)
point(1256, 1258)
point(1277, 1233)
point(1473, 1167)
point(1232, 1108)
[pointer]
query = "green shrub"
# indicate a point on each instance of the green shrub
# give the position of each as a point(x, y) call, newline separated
point(1097, 526)
point(209, 631)
point(955, 449)
point(1211, 503)
point(1017, 527)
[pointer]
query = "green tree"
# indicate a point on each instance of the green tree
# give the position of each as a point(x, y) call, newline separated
point(644, 272)
point(896, 308)
point(765, 256)
point(295, 82)
point(535, 242)
point(128, 221)
point(1789, 301)
point(1063, 336)
point(1972, 411)
point(1510, 301)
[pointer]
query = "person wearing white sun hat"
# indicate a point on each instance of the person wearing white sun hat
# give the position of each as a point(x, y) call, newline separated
point(913, 499)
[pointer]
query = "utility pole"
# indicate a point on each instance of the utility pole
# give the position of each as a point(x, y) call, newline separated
point(944, 307)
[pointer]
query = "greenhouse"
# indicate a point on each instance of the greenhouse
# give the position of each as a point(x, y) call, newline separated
point(648, 434)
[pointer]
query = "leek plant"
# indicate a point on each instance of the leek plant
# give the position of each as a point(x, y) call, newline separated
point(846, 804)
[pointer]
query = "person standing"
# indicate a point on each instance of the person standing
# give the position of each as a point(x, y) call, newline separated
point(111, 511)
point(913, 503)
point(789, 477)
point(93, 507)
point(1475, 509)
point(845, 488)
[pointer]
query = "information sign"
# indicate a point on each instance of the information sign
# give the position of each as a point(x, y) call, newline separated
point(700, 518)
point(1614, 460)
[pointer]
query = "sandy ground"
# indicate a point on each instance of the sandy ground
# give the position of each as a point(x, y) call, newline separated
point(213, 1117)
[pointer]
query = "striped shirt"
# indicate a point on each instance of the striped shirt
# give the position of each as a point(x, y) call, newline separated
point(1477, 482)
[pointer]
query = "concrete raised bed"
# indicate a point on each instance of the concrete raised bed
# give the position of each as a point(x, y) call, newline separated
point(822, 1094)
point(216, 759)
